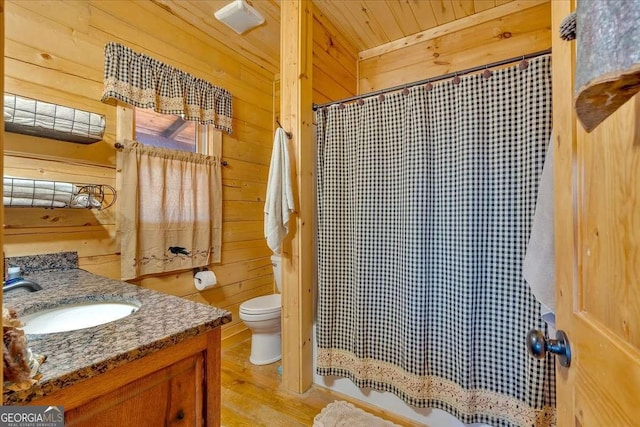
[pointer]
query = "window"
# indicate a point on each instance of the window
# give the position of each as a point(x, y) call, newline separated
point(167, 131)
point(172, 132)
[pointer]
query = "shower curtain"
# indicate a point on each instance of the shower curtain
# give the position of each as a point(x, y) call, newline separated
point(425, 204)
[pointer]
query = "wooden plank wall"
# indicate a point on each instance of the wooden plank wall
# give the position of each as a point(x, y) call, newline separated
point(512, 29)
point(54, 52)
point(335, 62)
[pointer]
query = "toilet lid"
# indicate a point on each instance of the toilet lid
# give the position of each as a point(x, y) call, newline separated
point(261, 305)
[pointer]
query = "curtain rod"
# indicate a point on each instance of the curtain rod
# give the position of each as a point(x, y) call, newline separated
point(119, 146)
point(433, 79)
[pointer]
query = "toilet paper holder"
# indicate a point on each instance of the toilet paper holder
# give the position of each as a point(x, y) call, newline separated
point(203, 278)
point(198, 270)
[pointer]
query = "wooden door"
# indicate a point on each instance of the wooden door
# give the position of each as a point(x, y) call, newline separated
point(597, 223)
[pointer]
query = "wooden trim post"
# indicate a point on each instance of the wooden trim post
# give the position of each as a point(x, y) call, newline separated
point(564, 140)
point(296, 23)
point(2, 132)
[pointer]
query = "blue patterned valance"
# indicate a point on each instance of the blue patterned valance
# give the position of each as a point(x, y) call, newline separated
point(144, 82)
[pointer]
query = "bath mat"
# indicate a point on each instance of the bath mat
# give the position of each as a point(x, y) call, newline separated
point(340, 413)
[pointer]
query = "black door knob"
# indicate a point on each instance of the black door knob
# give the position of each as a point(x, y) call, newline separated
point(538, 346)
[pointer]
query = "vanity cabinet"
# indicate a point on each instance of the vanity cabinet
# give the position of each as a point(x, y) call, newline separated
point(176, 386)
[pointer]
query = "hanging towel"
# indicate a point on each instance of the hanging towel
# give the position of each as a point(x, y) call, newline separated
point(278, 205)
point(539, 261)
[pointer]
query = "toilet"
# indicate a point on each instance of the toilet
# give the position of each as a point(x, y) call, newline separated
point(262, 317)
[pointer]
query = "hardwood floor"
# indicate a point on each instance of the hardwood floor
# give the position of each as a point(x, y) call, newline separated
point(252, 395)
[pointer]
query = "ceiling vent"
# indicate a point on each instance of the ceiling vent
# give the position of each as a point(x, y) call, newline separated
point(239, 16)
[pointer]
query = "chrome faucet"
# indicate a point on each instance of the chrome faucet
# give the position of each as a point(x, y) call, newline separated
point(19, 282)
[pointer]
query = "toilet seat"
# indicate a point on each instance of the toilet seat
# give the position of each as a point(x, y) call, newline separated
point(267, 304)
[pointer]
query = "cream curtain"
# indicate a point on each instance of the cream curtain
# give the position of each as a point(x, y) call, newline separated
point(173, 219)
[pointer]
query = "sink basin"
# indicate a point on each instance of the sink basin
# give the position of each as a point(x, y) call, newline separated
point(71, 317)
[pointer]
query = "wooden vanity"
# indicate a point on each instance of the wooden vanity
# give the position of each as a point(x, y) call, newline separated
point(159, 366)
point(178, 386)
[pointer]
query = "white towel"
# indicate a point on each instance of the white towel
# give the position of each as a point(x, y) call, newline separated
point(278, 204)
point(539, 261)
point(30, 112)
point(17, 192)
point(30, 202)
point(85, 201)
point(58, 186)
point(37, 193)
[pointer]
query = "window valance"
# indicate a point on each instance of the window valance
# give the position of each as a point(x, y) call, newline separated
point(144, 82)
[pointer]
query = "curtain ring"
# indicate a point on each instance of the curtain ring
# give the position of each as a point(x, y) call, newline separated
point(341, 106)
point(456, 80)
point(360, 101)
point(405, 91)
point(524, 64)
point(381, 97)
point(487, 73)
point(428, 86)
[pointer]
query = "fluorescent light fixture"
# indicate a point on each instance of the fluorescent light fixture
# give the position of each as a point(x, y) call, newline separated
point(239, 16)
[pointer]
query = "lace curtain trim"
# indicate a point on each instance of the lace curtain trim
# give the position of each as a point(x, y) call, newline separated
point(420, 388)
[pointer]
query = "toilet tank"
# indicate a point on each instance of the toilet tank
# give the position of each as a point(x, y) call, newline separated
point(276, 262)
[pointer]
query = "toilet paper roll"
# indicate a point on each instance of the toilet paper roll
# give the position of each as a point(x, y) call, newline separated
point(204, 279)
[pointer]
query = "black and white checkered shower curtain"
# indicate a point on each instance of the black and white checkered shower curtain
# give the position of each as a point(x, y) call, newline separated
point(425, 204)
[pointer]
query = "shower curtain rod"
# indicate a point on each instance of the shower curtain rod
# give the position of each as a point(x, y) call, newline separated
point(433, 79)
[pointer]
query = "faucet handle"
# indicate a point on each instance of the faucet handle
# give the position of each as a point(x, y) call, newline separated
point(14, 272)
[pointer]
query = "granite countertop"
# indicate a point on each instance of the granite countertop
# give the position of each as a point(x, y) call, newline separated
point(162, 321)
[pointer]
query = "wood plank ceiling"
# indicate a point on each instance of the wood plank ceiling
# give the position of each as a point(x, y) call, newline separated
point(365, 23)
point(371, 23)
